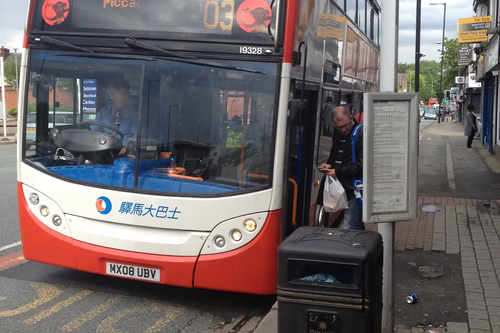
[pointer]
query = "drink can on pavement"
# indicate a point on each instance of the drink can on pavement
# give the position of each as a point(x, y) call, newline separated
point(412, 299)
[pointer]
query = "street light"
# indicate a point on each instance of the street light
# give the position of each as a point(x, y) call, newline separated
point(4, 106)
point(418, 55)
point(442, 56)
point(15, 60)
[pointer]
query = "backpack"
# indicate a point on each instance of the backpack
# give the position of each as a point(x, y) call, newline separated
point(357, 183)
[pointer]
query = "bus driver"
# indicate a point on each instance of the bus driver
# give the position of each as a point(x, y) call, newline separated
point(118, 114)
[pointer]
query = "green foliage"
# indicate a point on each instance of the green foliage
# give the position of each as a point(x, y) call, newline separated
point(10, 71)
point(62, 107)
point(428, 78)
point(404, 68)
point(450, 63)
point(13, 112)
point(66, 84)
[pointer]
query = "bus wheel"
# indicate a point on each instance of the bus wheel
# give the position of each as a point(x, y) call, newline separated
point(321, 217)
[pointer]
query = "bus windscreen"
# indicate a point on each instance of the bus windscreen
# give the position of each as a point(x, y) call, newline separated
point(222, 19)
point(162, 125)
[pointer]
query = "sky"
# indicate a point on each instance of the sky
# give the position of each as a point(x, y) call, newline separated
point(13, 18)
point(431, 26)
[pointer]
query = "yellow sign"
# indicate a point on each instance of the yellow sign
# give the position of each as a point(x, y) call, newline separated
point(474, 29)
point(331, 26)
point(465, 37)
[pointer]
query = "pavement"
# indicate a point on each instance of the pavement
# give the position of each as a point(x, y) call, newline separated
point(457, 229)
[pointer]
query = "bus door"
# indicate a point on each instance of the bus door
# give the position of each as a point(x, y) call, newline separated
point(330, 99)
point(301, 144)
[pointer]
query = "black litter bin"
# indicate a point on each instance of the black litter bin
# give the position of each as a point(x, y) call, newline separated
point(330, 280)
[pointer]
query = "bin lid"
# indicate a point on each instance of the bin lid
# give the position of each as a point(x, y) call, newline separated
point(333, 243)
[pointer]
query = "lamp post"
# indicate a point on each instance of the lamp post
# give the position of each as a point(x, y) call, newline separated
point(442, 57)
point(15, 61)
point(418, 55)
point(410, 81)
point(4, 107)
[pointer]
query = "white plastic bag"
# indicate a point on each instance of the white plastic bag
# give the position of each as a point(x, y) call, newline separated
point(334, 197)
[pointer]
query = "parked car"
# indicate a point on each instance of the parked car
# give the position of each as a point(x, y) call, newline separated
point(63, 118)
point(430, 113)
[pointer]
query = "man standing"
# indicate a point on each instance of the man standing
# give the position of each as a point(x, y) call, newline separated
point(340, 165)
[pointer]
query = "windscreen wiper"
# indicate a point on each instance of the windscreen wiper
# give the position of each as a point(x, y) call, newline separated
point(107, 55)
point(132, 42)
point(213, 64)
point(53, 41)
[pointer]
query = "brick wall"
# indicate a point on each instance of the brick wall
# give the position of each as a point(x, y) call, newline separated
point(10, 97)
point(63, 97)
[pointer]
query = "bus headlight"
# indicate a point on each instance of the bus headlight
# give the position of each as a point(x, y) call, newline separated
point(220, 241)
point(250, 225)
point(57, 220)
point(236, 235)
point(44, 210)
point(34, 199)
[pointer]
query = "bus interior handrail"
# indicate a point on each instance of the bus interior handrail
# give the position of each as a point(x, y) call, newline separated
point(276, 32)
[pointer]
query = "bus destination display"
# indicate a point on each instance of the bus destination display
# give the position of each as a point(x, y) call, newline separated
point(214, 17)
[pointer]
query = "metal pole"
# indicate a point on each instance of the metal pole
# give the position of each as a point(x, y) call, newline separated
point(15, 60)
point(417, 47)
point(442, 58)
point(4, 108)
point(410, 81)
point(388, 65)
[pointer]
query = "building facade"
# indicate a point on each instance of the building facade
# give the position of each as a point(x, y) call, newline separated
point(484, 70)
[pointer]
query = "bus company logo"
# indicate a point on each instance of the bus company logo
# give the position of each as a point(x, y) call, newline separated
point(55, 12)
point(103, 205)
point(254, 15)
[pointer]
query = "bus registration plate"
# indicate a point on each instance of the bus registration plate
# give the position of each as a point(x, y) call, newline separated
point(135, 272)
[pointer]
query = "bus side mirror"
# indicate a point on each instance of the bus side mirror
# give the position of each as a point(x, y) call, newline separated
point(298, 112)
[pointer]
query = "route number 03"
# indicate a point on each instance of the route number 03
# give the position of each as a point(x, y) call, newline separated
point(226, 7)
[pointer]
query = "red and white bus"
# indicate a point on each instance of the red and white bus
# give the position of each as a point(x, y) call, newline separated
point(432, 102)
point(215, 172)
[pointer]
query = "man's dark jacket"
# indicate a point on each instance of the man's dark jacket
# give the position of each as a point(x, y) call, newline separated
point(348, 171)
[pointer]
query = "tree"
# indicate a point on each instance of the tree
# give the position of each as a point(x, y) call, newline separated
point(429, 77)
point(450, 63)
point(426, 91)
point(403, 68)
point(430, 70)
point(10, 71)
point(410, 77)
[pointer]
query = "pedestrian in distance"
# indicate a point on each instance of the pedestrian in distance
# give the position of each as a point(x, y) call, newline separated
point(470, 126)
point(340, 165)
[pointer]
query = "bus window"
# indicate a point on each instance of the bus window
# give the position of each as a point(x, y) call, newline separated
point(209, 126)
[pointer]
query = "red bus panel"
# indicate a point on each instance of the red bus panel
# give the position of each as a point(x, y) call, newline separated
point(250, 269)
